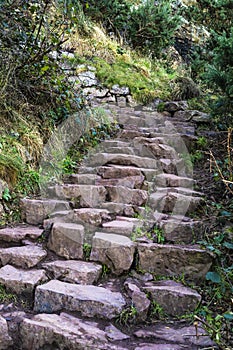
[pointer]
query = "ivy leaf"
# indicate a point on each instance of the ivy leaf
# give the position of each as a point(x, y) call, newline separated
point(228, 245)
point(213, 277)
point(228, 316)
point(225, 213)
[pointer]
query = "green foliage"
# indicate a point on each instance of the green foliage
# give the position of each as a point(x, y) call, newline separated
point(105, 270)
point(213, 14)
point(222, 166)
point(144, 81)
point(219, 75)
point(32, 82)
point(212, 62)
point(151, 26)
point(145, 26)
point(6, 296)
point(87, 251)
point(6, 194)
point(156, 311)
point(128, 316)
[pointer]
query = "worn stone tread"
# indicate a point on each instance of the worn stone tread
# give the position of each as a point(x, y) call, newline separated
point(89, 300)
point(74, 271)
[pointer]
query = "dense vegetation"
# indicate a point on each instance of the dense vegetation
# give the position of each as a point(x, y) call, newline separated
point(128, 42)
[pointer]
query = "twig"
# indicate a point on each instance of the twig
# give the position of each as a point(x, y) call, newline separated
point(209, 326)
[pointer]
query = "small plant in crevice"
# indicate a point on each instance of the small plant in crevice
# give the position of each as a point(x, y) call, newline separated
point(105, 270)
point(156, 311)
point(6, 296)
point(128, 316)
point(87, 251)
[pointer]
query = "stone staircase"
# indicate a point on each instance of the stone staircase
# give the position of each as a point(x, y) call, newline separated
point(128, 206)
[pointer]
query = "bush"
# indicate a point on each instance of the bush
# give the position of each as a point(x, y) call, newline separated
point(32, 82)
point(152, 26)
point(146, 26)
point(219, 76)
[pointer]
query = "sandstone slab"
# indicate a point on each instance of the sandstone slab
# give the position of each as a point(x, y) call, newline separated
point(89, 300)
point(119, 208)
point(120, 227)
point(109, 172)
point(74, 271)
point(139, 300)
point(188, 337)
point(88, 195)
point(17, 234)
point(171, 180)
point(123, 159)
point(25, 256)
point(174, 298)
point(172, 260)
point(5, 339)
point(82, 179)
point(19, 280)
point(173, 202)
point(114, 334)
point(36, 211)
point(91, 216)
point(120, 194)
point(133, 182)
point(149, 346)
point(178, 231)
point(116, 251)
point(63, 332)
point(121, 171)
point(66, 239)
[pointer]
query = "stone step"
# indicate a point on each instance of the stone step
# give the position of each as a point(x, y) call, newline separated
point(88, 195)
point(115, 251)
point(66, 240)
point(132, 182)
point(156, 150)
point(6, 341)
point(174, 337)
point(171, 180)
point(174, 260)
point(35, 211)
point(130, 134)
point(122, 159)
point(114, 143)
point(73, 271)
point(90, 301)
point(26, 256)
point(21, 281)
point(120, 150)
point(181, 190)
point(19, 233)
point(131, 120)
point(174, 298)
point(178, 229)
point(179, 129)
point(81, 179)
point(120, 194)
point(120, 227)
point(122, 209)
point(121, 171)
point(72, 332)
point(90, 217)
point(172, 202)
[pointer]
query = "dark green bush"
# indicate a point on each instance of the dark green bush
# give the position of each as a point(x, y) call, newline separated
point(152, 26)
point(147, 26)
point(32, 81)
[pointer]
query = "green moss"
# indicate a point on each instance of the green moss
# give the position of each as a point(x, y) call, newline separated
point(145, 81)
